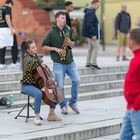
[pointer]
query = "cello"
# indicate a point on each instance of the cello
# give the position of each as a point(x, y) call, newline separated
point(52, 95)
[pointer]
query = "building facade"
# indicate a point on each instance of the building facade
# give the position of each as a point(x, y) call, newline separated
point(111, 8)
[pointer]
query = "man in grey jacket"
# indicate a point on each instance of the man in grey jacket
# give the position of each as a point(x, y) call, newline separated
point(122, 26)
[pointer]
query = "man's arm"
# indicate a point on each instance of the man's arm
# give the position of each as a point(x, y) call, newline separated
point(129, 21)
point(92, 24)
point(117, 23)
point(8, 21)
point(46, 49)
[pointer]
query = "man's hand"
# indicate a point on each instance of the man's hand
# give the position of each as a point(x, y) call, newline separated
point(13, 31)
point(94, 38)
point(59, 51)
point(70, 42)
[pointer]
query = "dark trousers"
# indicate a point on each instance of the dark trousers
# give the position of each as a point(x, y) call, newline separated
point(14, 52)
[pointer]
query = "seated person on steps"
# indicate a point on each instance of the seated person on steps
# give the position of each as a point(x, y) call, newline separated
point(29, 85)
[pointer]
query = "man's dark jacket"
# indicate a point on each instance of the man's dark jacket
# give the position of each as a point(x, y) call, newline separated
point(90, 23)
point(123, 22)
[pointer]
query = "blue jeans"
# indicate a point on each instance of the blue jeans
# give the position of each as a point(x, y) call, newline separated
point(131, 125)
point(60, 70)
point(34, 92)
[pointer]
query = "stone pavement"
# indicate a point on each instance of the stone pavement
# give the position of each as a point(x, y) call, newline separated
point(93, 113)
point(105, 58)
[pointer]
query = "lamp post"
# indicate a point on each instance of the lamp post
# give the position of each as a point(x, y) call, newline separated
point(103, 17)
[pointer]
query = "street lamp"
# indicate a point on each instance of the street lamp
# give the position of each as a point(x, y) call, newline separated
point(103, 17)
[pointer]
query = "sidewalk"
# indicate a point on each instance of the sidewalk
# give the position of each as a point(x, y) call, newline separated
point(92, 114)
point(105, 58)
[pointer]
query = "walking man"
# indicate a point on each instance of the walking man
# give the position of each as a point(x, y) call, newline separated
point(91, 32)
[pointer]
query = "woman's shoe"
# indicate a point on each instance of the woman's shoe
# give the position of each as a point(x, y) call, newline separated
point(37, 121)
point(53, 117)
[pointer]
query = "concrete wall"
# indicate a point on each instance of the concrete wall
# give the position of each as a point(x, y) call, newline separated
point(112, 7)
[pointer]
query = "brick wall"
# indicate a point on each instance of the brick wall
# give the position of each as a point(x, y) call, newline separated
point(29, 19)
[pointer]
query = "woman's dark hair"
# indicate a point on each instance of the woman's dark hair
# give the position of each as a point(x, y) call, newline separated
point(9, 1)
point(25, 45)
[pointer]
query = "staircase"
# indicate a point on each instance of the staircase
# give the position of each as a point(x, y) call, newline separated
point(96, 88)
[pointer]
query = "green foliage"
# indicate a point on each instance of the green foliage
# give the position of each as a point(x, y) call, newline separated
point(50, 2)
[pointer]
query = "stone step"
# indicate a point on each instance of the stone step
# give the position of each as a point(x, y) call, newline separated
point(82, 70)
point(108, 69)
point(81, 97)
point(91, 78)
point(20, 99)
point(84, 132)
point(88, 87)
point(10, 76)
point(99, 94)
point(109, 137)
point(97, 118)
point(15, 76)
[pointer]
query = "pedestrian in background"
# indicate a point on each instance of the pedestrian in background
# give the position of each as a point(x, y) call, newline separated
point(122, 25)
point(131, 122)
point(68, 8)
point(6, 22)
point(90, 30)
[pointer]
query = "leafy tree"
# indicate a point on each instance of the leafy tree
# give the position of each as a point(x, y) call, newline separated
point(50, 2)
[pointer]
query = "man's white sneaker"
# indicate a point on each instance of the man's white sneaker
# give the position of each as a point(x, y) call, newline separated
point(2, 66)
point(64, 110)
point(15, 66)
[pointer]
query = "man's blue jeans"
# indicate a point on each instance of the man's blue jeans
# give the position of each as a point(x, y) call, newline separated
point(60, 70)
point(131, 125)
point(34, 92)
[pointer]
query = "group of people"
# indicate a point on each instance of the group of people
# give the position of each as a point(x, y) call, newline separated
point(52, 43)
point(61, 35)
point(130, 126)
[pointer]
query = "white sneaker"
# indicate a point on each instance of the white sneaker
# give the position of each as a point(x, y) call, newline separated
point(37, 121)
point(64, 110)
point(15, 66)
point(2, 66)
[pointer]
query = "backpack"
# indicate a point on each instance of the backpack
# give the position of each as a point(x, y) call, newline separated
point(3, 101)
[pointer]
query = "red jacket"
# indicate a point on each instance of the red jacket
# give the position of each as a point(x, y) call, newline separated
point(132, 82)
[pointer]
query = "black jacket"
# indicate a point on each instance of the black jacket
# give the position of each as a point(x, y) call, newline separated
point(4, 10)
point(68, 21)
point(123, 22)
point(90, 23)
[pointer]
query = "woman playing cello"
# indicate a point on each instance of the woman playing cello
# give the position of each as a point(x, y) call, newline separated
point(29, 85)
